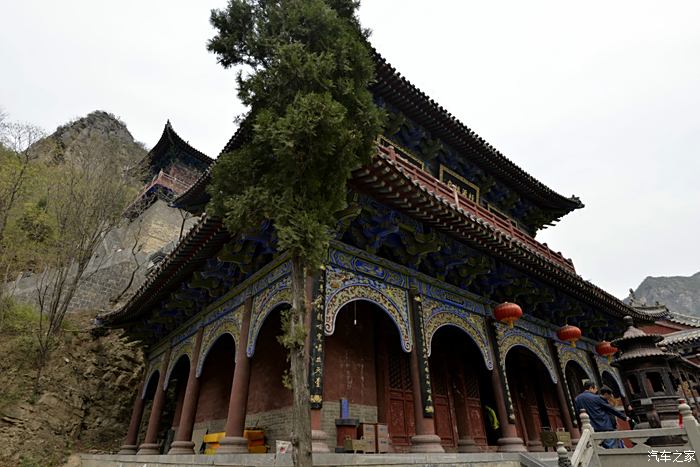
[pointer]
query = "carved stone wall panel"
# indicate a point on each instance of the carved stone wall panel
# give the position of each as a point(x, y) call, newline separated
point(276, 294)
point(343, 287)
point(220, 321)
point(437, 314)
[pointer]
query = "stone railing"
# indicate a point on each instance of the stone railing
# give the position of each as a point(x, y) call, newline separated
point(679, 444)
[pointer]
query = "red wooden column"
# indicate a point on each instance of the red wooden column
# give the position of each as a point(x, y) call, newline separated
point(425, 439)
point(509, 440)
point(234, 442)
point(183, 438)
point(130, 443)
point(149, 445)
point(563, 403)
point(566, 414)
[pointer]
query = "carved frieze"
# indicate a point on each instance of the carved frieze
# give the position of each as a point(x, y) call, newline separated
point(270, 297)
point(345, 286)
point(155, 364)
point(220, 321)
point(437, 314)
point(183, 348)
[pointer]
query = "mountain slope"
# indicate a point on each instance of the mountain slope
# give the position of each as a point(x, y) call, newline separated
point(680, 294)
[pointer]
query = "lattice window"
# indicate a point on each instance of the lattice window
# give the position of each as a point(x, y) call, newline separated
point(399, 372)
point(471, 384)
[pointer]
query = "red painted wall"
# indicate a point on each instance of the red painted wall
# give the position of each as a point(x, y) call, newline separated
point(215, 381)
point(350, 370)
point(663, 327)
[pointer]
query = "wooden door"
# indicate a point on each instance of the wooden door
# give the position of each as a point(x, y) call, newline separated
point(444, 421)
point(552, 404)
point(398, 395)
point(473, 399)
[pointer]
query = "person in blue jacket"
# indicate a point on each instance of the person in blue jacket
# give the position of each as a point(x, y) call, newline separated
point(599, 411)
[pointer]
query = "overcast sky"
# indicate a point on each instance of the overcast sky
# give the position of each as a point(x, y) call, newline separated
point(597, 99)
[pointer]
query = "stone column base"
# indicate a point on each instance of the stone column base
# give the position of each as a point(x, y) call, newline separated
point(535, 446)
point(147, 449)
point(319, 441)
point(511, 445)
point(128, 450)
point(426, 443)
point(233, 445)
point(182, 447)
point(467, 445)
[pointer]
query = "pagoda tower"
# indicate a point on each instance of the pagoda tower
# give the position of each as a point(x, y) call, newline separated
point(646, 371)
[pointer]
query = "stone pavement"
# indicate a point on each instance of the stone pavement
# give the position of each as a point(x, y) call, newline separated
point(240, 460)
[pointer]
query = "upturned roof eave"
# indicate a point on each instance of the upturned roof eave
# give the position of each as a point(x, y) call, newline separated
point(389, 81)
point(486, 155)
point(168, 138)
point(536, 263)
point(209, 233)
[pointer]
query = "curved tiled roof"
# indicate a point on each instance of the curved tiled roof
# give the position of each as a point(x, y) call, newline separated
point(170, 137)
point(392, 86)
point(201, 242)
point(688, 336)
point(387, 178)
point(432, 116)
point(686, 320)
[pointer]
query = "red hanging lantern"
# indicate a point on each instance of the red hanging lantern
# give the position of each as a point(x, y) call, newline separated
point(508, 312)
point(569, 333)
point(606, 349)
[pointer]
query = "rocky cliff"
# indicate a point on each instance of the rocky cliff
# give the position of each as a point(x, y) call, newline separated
point(84, 401)
point(680, 294)
point(79, 133)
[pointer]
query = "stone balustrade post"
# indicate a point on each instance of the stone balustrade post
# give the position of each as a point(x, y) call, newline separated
point(562, 455)
point(585, 421)
point(690, 424)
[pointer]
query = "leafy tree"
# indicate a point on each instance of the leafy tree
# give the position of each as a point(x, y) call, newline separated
point(304, 71)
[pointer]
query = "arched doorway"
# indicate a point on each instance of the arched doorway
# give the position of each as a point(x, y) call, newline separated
point(365, 363)
point(269, 405)
point(610, 381)
point(461, 389)
point(534, 396)
point(174, 398)
point(215, 382)
point(575, 377)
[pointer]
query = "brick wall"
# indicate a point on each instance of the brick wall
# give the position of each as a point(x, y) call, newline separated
point(276, 423)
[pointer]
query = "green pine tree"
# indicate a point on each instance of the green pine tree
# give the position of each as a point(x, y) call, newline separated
point(305, 68)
